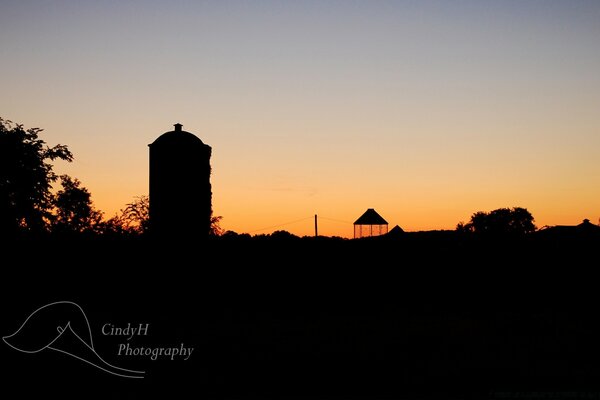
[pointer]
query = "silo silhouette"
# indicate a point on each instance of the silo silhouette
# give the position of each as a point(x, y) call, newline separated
point(180, 190)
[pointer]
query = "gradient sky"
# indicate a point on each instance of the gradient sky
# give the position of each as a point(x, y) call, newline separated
point(426, 111)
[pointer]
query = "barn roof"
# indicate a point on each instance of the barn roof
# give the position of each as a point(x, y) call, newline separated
point(370, 217)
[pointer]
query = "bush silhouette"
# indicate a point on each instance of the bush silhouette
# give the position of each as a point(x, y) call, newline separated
point(502, 221)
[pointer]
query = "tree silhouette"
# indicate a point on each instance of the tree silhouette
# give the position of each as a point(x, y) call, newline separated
point(215, 226)
point(502, 221)
point(26, 177)
point(136, 214)
point(133, 220)
point(74, 211)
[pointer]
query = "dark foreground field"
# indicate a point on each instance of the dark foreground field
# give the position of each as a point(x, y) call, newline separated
point(418, 316)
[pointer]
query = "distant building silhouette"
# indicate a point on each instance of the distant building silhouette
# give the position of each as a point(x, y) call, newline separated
point(583, 230)
point(396, 231)
point(180, 190)
point(370, 224)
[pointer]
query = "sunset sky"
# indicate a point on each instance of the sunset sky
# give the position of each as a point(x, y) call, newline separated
point(426, 111)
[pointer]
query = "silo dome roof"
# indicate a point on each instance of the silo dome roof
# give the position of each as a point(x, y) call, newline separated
point(178, 136)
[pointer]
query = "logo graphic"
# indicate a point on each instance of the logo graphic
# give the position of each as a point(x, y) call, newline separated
point(63, 326)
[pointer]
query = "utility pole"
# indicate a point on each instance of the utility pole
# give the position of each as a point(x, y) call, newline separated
point(316, 229)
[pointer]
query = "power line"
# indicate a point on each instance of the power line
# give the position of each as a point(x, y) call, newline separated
point(284, 224)
point(299, 220)
point(335, 220)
